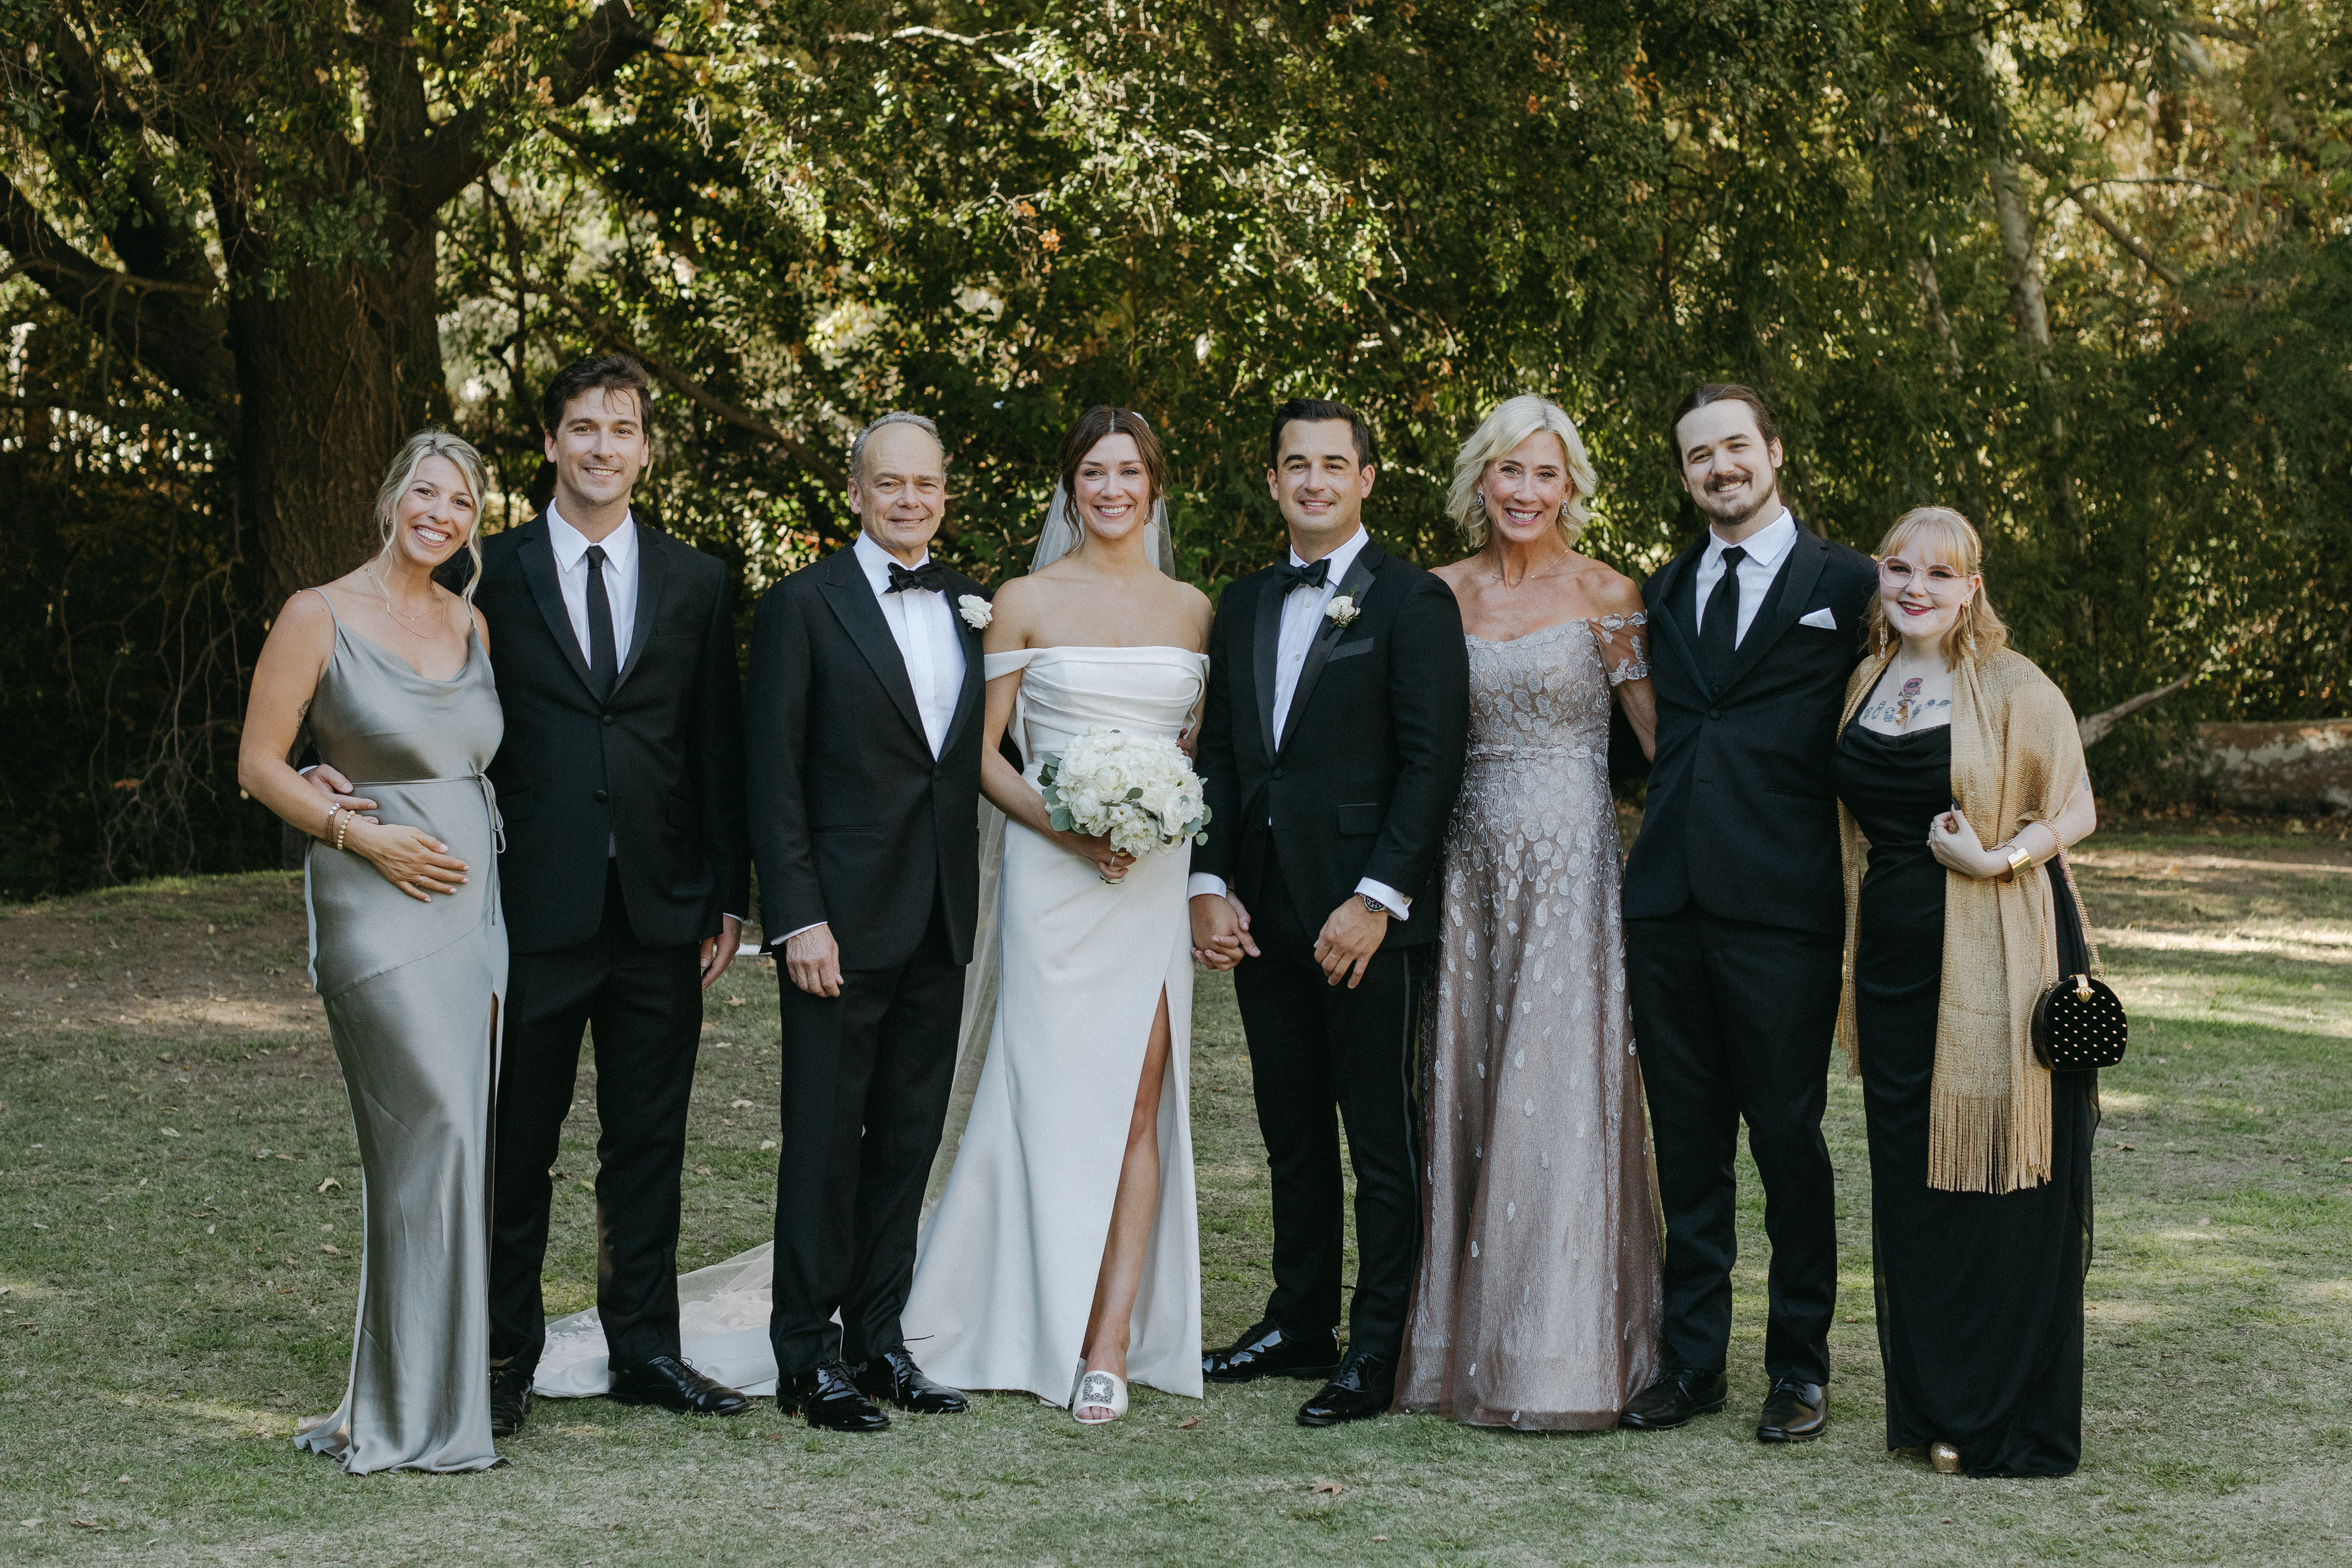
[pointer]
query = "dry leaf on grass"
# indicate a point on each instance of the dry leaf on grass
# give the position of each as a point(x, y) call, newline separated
point(330, 1184)
point(331, 1249)
point(1188, 1424)
point(1329, 1489)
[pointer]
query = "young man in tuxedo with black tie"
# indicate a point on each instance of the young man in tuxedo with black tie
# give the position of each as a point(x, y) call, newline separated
point(623, 878)
point(864, 703)
point(1331, 751)
point(1735, 912)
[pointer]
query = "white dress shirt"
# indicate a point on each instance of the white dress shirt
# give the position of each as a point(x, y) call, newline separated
point(1765, 547)
point(924, 624)
point(1302, 617)
point(571, 547)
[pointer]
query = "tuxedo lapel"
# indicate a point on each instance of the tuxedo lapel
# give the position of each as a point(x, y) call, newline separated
point(1266, 655)
point(537, 557)
point(651, 564)
point(1782, 607)
point(1327, 637)
point(851, 598)
point(972, 693)
point(1666, 625)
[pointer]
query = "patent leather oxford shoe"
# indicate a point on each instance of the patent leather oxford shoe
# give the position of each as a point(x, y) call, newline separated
point(671, 1383)
point(1680, 1395)
point(1794, 1412)
point(893, 1378)
point(1364, 1387)
point(1270, 1351)
point(827, 1396)
point(509, 1400)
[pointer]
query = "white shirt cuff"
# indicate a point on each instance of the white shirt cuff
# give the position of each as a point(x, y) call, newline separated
point(1398, 904)
point(1204, 883)
point(790, 934)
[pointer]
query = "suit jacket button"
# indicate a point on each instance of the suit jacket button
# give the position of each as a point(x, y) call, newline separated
point(1715, 713)
point(1277, 773)
point(608, 717)
point(601, 797)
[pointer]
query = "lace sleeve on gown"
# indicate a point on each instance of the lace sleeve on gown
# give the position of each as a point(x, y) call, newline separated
point(1624, 650)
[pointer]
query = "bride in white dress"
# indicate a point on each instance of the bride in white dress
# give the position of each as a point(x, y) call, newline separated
point(1064, 1256)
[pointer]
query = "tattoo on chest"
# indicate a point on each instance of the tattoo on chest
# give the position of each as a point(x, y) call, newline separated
point(1901, 710)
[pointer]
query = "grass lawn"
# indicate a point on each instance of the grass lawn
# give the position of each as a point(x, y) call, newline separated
point(179, 1227)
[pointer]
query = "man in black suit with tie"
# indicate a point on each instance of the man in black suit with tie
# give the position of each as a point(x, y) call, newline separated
point(1332, 752)
point(1734, 910)
point(865, 755)
point(622, 879)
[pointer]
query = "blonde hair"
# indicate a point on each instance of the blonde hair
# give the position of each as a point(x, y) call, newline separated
point(1513, 421)
point(433, 443)
point(1978, 629)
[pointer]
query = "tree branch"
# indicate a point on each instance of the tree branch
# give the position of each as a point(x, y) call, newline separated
point(182, 339)
point(2094, 729)
point(2079, 195)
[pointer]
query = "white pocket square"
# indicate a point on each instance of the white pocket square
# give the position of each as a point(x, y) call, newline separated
point(1821, 617)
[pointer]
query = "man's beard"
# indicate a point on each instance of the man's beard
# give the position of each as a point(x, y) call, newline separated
point(1772, 494)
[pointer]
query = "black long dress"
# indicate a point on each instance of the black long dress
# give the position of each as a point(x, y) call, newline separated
point(1979, 1295)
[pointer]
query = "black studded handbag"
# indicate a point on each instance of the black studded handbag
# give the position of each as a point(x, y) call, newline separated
point(2079, 1024)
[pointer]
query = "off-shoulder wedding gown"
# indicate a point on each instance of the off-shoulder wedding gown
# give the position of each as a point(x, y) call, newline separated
point(1005, 1276)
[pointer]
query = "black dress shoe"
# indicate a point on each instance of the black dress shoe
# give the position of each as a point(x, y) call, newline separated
point(1365, 1386)
point(1671, 1401)
point(1794, 1412)
point(827, 1395)
point(509, 1400)
point(893, 1378)
point(671, 1383)
point(1270, 1351)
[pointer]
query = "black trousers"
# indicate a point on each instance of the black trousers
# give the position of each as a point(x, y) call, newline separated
point(644, 1005)
point(1734, 1021)
point(1315, 1047)
point(867, 1076)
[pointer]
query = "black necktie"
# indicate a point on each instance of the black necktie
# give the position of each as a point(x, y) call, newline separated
point(930, 575)
point(1286, 578)
point(1718, 630)
point(603, 668)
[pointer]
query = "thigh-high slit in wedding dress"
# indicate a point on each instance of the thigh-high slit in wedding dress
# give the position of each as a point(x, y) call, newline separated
point(1005, 1277)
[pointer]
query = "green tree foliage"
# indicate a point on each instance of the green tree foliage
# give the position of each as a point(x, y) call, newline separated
point(2077, 268)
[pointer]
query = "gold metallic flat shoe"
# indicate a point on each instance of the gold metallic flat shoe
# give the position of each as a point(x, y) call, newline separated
point(1945, 1459)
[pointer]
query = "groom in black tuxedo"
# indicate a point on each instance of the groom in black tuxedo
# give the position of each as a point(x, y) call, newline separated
point(1734, 910)
point(1332, 752)
point(865, 746)
point(623, 878)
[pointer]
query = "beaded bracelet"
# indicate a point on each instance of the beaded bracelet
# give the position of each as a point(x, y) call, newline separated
point(346, 828)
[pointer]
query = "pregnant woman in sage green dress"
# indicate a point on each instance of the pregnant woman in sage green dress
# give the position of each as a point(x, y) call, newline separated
point(390, 676)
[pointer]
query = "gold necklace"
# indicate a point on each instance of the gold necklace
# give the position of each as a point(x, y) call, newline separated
point(410, 621)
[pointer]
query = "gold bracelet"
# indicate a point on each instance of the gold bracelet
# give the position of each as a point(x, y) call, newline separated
point(346, 827)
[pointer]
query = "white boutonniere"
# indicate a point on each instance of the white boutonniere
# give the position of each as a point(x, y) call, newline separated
point(1342, 610)
point(976, 611)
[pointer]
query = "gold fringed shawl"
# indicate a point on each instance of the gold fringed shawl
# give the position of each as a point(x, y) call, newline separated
point(2017, 758)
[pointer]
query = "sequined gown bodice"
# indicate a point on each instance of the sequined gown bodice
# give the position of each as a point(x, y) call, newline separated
point(1537, 1300)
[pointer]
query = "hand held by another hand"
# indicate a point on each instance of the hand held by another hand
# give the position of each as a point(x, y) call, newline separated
point(1220, 936)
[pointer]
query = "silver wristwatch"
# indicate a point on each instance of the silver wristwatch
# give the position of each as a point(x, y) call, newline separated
point(1374, 904)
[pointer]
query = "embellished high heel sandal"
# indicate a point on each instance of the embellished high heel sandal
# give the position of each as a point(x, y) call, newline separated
point(1097, 1391)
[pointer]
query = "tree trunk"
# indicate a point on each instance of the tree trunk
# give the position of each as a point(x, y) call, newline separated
point(326, 397)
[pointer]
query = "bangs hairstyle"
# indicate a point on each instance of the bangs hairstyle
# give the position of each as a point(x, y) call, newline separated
point(1513, 421)
point(1978, 631)
point(397, 478)
point(1097, 424)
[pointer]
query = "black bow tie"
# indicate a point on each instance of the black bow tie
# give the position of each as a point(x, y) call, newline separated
point(1288, 577)
point(930, 575)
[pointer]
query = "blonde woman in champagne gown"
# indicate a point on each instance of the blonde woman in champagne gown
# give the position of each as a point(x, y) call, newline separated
point(1064, 1256)
point(1538, 1297)
point(391, 677)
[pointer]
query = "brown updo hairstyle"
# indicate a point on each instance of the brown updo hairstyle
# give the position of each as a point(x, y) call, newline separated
point(1979, 630)
point(1094, 426)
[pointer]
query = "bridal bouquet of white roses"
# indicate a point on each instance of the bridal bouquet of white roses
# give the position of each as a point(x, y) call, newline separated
point(1138, 791)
